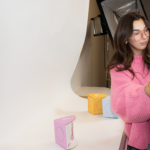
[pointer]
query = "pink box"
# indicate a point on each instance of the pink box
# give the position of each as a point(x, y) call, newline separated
point(64, 135)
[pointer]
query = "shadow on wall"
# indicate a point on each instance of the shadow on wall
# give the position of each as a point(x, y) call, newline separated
point(82, 72)
point(146, 4)
point(90, 67)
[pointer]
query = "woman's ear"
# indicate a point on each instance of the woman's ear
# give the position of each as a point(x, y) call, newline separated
point(126, 42)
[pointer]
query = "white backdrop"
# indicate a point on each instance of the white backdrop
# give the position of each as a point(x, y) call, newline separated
point(40, 43)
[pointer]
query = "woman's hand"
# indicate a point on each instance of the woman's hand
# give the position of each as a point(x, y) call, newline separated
point(147, 89)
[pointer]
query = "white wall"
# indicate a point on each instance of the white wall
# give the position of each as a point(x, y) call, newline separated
point(40, 44)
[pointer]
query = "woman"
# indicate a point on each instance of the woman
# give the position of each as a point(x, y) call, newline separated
point(130, 75)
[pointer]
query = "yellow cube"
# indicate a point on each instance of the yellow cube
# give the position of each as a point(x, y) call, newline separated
point(95, 103)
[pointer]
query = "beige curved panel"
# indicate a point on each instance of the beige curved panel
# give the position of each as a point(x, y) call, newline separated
point(40, 44)
point(90, 69)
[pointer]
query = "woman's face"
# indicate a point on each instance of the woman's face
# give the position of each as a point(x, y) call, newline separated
point(140, 37)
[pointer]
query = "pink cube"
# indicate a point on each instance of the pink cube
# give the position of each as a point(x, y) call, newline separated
point(64, 135)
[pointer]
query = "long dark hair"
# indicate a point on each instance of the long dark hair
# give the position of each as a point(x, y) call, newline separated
point(122, 51)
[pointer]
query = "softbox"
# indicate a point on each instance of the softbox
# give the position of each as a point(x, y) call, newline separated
point(112, 10)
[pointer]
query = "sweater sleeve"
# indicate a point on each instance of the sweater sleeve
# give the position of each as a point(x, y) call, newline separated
point(128, 98)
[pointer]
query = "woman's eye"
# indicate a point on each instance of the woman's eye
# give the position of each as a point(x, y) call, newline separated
point(147, 30)
point(136, 33)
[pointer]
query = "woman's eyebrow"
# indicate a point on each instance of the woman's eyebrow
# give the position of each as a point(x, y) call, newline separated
point(138, 29)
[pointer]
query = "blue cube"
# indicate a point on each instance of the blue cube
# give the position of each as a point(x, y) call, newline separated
point(107, 110)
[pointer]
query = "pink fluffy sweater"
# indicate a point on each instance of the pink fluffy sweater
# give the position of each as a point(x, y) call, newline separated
point(131, 103)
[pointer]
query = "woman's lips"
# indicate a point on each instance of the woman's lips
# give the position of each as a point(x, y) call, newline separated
point(144, 43)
